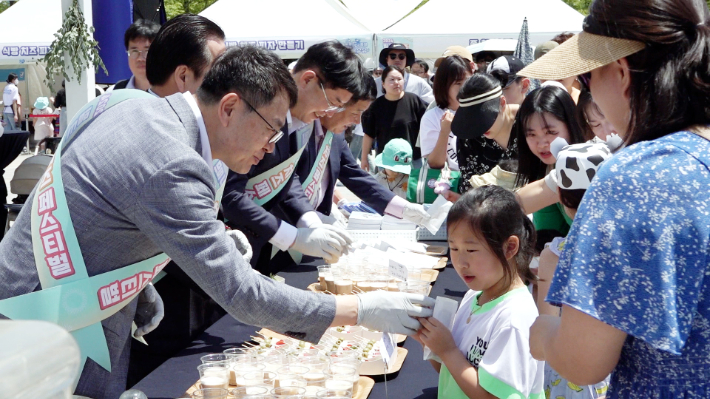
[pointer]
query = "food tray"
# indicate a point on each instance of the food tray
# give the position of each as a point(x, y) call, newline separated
point(442, 263)
point(315, 287)
point(364, 387)
point(436, 250)
point(407, 235)
point(401, 354)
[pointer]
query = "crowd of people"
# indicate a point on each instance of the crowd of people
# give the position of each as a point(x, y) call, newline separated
point(580, 219)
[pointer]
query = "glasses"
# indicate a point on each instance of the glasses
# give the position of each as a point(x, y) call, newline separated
point(277, 133)
point(377, 73)
point(331, 107)
point(395, 56)
point(136, 54)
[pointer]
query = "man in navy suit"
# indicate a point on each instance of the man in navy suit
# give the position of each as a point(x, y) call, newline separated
point(342, 165)
point(326, 76)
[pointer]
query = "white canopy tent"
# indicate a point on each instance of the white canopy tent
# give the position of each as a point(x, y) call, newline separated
point(442, 23)
point(289, 27)
point(379, 15)
point(30, 26)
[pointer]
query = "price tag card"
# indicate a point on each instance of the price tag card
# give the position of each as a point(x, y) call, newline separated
point(398, 270)
point(389, 349)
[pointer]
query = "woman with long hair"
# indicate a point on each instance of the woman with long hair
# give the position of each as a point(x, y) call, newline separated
point(632, 278)
point(438, 143)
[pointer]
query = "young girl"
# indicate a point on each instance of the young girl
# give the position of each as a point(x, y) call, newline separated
point(486, 354)
point(546, 114)
point(576, 166)
point(595, 127)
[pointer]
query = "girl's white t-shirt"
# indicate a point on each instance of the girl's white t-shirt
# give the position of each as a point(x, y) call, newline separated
point(429, 129)
point(496, 342)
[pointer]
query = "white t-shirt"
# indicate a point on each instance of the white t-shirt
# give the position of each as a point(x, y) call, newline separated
point(496, 342)
point(429, 129)
point(9, 95)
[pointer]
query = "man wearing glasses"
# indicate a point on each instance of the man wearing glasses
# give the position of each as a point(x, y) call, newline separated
point(137, 39)
point(398, 54)
point(326, 77)
point(155, 199)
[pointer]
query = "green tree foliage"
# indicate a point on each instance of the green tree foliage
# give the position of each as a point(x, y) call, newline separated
point(177, 7)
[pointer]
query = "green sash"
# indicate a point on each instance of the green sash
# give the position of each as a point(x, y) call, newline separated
point(69, 297)
point(265, 186)
point(312, 184)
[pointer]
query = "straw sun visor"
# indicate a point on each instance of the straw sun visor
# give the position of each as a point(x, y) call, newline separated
point(580, 54)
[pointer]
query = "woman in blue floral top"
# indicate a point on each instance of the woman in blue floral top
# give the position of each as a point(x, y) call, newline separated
point(634, 277)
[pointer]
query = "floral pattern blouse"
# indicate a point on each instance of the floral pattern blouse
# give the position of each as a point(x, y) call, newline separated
point(480, 155)
point(638, 258)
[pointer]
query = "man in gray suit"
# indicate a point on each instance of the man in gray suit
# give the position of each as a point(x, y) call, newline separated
point(153, 191)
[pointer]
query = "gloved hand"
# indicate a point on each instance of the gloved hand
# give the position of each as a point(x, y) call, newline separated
point(393, 312)
point(149, 312)
point(326, 241)
point(415, 213)
point(333, 219)
point(242, 243)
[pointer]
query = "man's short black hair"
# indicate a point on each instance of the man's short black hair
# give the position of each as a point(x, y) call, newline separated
point(141, 29)
point(367, 90)
point(422, 64)
point(485, 56)
point(336, 64)
point(181, 41)
point(256, 74)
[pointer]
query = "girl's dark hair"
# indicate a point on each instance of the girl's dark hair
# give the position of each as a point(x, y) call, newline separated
point(478, 84)
point(670, 78)
point(571, 198)
point(559, 104)
point(11, 77)
point(452, 69)
point(585, 101)
point(494, 216)
point(387, 72)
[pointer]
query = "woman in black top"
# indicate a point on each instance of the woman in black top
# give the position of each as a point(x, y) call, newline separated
point(396, 115)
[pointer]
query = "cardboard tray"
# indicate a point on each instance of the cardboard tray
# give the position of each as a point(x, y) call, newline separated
point(442, 263)
point(315, 287)
point(364, 387)
point(436, 250)
point(399, 338)
point(401, 354)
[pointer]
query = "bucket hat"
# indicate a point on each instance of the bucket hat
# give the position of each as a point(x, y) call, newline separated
point(396, 156)
point(41, 103)
point(397, 46)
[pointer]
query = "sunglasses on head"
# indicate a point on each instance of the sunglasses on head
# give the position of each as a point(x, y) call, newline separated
point(394, 56)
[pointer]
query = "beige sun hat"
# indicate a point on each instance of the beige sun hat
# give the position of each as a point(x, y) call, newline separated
point(580, 54)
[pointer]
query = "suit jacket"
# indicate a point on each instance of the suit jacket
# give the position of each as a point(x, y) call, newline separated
point(259, 223)
point(342, 166)
point(136, 185)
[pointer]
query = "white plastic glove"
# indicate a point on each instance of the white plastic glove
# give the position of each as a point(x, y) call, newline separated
point(242, 243)
point(326, 241)
point(332, 219)
point(416, 213)
point(393, 312)
point(149, 312)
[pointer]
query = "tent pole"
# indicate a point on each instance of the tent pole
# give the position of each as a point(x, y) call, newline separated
point(79, 94)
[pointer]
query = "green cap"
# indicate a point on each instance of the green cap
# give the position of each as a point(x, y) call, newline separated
point(396, 156)
point(545, 48)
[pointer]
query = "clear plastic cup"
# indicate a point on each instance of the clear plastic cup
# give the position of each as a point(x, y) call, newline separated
point(342, 392)
point(242, 392)
point(414, 287)
point(290, 380)
point(288, 392)
point(276, 360)
point(257, 378)
point(219, 358)
point(236, 370)
point(210, 393)
point(213, 375)
point(293, 369)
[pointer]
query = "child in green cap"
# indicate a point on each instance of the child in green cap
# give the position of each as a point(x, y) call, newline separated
point(395, 162)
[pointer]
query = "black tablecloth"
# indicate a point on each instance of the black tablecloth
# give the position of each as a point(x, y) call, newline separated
point(417, 379)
